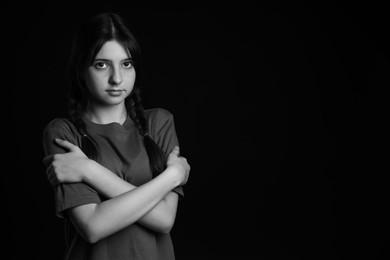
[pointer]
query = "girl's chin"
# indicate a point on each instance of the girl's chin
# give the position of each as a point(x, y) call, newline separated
point(107, 102)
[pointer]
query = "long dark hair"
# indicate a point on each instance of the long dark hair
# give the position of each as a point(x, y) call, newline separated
point(87, 42)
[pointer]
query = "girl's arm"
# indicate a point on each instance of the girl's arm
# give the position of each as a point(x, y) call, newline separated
point(74, 166)
point(160, 219)
point(97, 221)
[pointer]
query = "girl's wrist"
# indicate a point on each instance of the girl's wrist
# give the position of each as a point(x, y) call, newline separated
point(174, 173)
point(89, 170)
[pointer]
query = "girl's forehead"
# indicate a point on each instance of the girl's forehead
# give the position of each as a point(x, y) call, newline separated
point(113, 50)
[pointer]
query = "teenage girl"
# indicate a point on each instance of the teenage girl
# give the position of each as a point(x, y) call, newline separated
point(116, 168)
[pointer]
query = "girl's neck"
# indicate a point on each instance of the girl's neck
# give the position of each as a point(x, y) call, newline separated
point(106, 115)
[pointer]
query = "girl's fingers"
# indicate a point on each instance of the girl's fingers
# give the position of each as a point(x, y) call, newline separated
point(176, 151)
point(66, 144)
point(48, 159)
point(51, 176)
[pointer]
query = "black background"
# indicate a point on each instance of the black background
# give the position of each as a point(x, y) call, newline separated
point(279, 108)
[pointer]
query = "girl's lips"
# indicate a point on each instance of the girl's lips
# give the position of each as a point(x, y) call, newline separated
point(115, 89)
point(115, 92)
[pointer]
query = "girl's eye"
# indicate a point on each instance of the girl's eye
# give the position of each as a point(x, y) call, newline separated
point(127, 64)
point(100, 65)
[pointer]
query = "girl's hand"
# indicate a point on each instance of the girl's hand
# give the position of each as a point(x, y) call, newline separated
point(180, 164)
point(68, 167)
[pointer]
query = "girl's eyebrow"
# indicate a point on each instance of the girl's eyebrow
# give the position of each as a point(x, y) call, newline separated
point(105, 60)
point(108, 60)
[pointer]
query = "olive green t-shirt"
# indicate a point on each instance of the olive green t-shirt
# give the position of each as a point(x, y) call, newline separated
point(122, 151)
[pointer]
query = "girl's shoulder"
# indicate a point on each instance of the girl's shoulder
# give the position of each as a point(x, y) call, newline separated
point(61, 125)
point(158, 119)
point(157, 114)
point(58, 123)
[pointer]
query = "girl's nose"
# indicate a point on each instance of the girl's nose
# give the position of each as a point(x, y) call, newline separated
point(116, 77)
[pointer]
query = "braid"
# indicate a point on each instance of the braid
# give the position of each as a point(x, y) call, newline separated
point(155, 154)
point(136, 112)
point(88, 145)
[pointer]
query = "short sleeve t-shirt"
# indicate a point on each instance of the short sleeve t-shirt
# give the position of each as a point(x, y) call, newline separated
point(121, 150)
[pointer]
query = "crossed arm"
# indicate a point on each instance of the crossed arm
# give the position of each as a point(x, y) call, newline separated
point(159, 219)
point(153, 204)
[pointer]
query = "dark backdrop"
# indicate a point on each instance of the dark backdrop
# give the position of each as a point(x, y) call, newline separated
point(279, 109)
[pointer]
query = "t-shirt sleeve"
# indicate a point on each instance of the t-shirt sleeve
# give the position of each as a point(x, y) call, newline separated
point(164, 133)
point(67, 195)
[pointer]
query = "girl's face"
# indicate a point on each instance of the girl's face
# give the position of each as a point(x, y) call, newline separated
point(110, 78)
